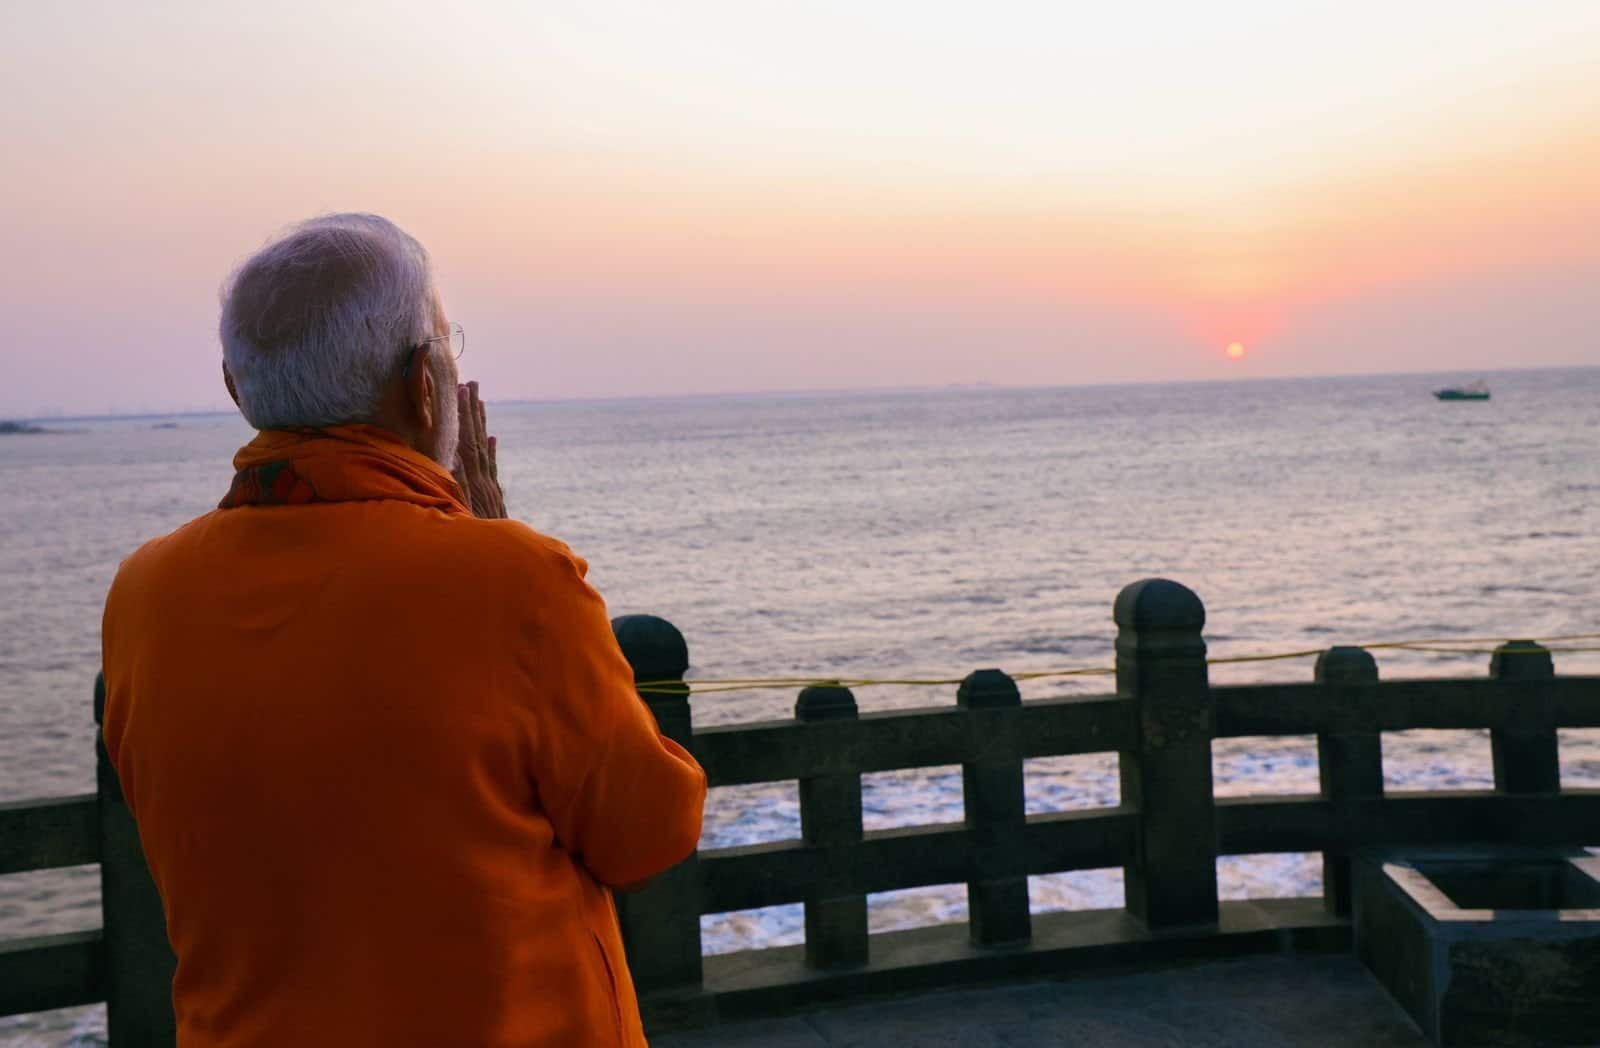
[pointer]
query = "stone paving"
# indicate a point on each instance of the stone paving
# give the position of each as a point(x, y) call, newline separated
point(1322, 1001)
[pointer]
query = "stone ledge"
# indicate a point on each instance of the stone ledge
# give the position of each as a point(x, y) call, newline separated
point(775, 982)
point(1265, 1001)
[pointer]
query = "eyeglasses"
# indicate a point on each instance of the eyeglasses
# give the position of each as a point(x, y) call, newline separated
point(456, 340)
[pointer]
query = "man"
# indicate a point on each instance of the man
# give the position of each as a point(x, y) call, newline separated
point(384, 753)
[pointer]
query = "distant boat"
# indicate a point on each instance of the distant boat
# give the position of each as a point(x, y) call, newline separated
point(1477, 391)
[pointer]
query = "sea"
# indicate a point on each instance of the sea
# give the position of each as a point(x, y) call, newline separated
point(919, 535)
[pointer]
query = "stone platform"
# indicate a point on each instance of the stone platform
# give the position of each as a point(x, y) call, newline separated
point(1259, 1002)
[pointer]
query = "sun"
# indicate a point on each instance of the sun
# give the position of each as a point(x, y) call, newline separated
point(1235, 351)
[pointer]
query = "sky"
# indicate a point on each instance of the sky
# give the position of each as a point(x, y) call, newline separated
point(632, 198)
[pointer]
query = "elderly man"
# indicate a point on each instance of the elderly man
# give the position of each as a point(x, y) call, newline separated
point(384, 753)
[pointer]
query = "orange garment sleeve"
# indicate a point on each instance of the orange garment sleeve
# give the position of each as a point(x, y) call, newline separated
point(623, 798)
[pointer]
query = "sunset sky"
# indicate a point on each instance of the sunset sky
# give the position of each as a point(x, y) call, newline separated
point(650, 198)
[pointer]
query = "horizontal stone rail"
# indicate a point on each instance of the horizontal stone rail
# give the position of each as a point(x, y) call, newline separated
point(1166, 835)
point(50, 971)
point(46, 834)
point(1251, 825)
point(1402, 705)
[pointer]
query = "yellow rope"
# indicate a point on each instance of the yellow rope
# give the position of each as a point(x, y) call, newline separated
point(1307, 653)
point(1472, 640)
point(1436, 646)
point(1432, 649)
point(1090, 671)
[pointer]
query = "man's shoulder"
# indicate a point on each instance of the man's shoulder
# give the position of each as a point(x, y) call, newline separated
point(152, 554)
point(159, 569)
point(509, 569)
point(500, 545)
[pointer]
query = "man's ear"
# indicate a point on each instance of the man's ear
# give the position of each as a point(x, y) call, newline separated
point(420, 391)
point(227, 380)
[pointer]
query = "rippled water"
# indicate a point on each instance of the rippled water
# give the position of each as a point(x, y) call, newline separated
point(921, 534)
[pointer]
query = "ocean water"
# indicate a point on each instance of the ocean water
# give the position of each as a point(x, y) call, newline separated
point(920, 534)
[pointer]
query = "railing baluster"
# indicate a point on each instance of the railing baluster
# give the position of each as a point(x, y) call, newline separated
point(139, 960)
point(1526, 758)
point(661, 922)
point(995, 810)
point(830, 818)
point(1349, 759)
point(1161, 665)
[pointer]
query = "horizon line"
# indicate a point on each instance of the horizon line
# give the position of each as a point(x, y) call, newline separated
point(813, 391)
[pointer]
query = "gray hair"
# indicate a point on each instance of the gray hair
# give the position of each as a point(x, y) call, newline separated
point(316, 323)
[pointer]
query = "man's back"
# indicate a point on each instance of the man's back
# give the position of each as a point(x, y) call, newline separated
point(384, 756)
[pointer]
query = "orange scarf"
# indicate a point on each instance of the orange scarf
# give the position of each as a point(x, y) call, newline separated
point(282, 467)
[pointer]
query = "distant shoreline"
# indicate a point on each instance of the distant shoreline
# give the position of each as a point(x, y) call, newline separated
point(859, 391)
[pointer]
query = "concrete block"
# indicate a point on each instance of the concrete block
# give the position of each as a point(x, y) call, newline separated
point(1485, 945)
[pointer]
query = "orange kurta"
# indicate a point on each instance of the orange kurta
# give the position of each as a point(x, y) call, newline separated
point(384, 757)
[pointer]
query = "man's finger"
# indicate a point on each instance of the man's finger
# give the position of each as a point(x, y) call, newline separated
point(475, 406)
point(468, 447)
point(477, 411)
point(469, 431)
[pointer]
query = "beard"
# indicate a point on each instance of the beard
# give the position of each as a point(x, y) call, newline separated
point(446, 411)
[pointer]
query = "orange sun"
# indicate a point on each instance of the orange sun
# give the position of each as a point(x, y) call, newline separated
point(1235, 350)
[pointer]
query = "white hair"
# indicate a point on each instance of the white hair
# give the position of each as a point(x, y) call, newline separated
point(316, 323)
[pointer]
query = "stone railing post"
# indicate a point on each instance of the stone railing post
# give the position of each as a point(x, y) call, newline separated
point(996, 813)
point(1349, 757)
point(661, 922)
point(1161, 666)
point(139, 962)
point(830, 818)
point(1526, 757)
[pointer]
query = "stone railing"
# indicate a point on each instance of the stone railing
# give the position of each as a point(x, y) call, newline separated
point(1166, 834)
